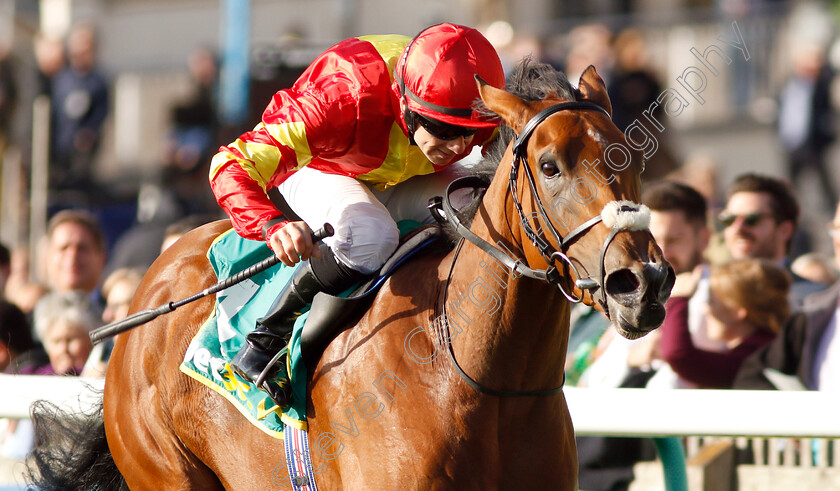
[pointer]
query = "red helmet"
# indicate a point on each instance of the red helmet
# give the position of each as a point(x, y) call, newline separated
point(436, 73)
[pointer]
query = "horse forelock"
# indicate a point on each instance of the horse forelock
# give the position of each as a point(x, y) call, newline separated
point(532, 81)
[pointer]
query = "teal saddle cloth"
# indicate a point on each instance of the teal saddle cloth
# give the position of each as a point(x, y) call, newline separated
point(235, 313)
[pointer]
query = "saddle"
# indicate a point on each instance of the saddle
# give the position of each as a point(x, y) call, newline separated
point(237, 308)
point(329, 312)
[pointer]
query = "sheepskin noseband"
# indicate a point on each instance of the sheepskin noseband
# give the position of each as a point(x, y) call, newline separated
point(626, 215)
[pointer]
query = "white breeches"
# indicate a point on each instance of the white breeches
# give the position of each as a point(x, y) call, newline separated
point(364, 219)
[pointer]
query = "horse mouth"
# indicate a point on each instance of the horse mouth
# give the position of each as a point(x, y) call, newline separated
point(628, 330)
point(643, 319)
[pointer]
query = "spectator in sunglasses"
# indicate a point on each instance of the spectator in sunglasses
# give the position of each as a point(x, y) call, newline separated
point(807, 352)
point(367, 115)
point(759, 221)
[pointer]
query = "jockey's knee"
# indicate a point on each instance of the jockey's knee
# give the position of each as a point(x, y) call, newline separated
point(365, 238)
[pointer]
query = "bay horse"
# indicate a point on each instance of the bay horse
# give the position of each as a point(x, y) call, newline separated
point(385, 411)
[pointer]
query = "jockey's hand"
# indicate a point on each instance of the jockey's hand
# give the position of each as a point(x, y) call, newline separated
point(293, 243)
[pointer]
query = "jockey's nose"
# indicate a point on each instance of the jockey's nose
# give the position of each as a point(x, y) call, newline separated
point(457, 145)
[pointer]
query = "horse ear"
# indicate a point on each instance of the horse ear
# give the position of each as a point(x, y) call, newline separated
point(591, 87)
point(509, 107)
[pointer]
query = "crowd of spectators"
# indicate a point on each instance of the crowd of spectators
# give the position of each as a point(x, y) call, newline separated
point(47, 333)
point(739, 316)
point(83, 274)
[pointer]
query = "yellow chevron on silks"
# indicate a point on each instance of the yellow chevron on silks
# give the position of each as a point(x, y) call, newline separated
point(261, 159)
point(389, 47)
point(293, 135)
point(219, 160)
point(402, 162)
point(260, 162)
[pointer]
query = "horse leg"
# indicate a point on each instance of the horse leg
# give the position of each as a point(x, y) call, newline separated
point(243, 457)
point(139, 421)
point(149, 455)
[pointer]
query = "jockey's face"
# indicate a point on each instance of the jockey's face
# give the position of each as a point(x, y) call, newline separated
point(441, 142)
point(438, 150)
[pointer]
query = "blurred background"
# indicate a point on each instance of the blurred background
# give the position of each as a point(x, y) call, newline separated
point(183, 77)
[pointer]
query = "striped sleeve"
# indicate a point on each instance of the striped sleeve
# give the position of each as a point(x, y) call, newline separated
point(242, 172)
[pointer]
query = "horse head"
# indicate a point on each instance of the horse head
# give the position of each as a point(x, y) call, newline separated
point(574, 191)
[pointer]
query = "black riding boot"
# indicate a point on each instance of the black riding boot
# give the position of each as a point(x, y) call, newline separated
point(268, 342)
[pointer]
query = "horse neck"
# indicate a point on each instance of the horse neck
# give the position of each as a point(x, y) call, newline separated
point(512, 331)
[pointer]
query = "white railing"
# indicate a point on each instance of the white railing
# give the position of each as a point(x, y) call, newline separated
point(69, 393)
point(777, 425)
point(649, 412)
point(616, 412)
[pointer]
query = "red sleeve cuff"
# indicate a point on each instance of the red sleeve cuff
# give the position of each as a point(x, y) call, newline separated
point(273, 226)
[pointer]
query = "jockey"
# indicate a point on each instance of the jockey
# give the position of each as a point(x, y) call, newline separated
point(365, 116)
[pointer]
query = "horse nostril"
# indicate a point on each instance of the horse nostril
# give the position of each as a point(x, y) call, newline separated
point(667, 284)
point(622, 282)
point(660, 279)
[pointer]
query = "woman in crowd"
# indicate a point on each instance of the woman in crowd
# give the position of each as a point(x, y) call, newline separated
point(747, 308)
point(64, 330)
point(118, 290)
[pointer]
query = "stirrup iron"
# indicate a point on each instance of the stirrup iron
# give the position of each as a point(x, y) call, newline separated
point(269, 368)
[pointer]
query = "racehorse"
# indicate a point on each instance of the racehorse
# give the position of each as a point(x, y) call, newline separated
point(453, 378)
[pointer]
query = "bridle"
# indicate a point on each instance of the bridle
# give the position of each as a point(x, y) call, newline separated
point(550, 274)
point(520, 155)
point(442, 208)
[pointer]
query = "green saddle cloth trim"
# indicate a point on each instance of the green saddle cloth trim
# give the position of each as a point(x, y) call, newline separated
point(235, 313)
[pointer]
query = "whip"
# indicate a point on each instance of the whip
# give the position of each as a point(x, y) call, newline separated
point(100, 333)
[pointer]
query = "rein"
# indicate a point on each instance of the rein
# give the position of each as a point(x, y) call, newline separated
point(460, 371)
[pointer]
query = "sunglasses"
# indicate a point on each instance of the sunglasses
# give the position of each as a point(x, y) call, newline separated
point(444, 131)
point(750, 219)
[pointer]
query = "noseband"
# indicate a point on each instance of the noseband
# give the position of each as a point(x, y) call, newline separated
point(612, 213)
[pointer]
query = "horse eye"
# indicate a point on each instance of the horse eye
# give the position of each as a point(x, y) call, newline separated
point(549, 169)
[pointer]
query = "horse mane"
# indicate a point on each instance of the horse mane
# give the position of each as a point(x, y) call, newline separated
point(531, 80)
